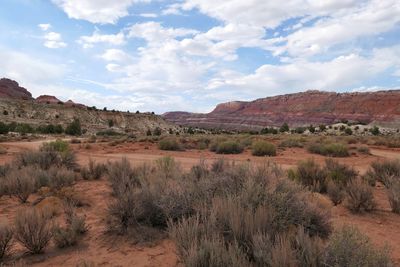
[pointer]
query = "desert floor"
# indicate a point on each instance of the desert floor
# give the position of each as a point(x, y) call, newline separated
point(382, 226)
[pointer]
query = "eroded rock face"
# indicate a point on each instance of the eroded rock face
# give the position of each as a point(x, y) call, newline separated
point(311, 107)
point(48, 99)
point(11, 89)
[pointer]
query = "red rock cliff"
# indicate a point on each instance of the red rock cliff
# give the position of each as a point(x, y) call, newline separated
point(311, 107)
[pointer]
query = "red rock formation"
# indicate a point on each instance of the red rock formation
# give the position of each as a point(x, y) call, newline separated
point(311, 107)
point(11, 89)
point(73, 104)
point(48, 99)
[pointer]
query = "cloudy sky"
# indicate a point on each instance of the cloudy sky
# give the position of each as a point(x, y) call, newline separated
point(158, 55)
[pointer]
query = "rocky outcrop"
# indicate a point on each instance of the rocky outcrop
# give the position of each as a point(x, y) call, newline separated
point(11, 89)
point(48, 99)
point(299, 109)
point(17, 105)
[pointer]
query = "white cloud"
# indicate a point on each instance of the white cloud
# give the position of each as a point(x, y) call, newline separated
point(96, 37)
point(371, 19)
point(29, 71)
point(44, 26)
point(174, 9)
point(154, 32)
point(148, 15)
point(97, 11)
point(340, 73)
point(115, 55)
point(53, 40)
point(263, 13)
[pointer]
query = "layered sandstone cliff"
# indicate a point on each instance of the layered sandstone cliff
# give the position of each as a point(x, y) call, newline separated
point(299, 109)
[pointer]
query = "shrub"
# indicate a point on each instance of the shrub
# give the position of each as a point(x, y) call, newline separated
point(364, 150)
point(61, 177)
point(335, 193)
point(32, 230)
point(348, 247)
point(21, 183)
point(169, 144)
point(167, 167)
point(311, 175)
point(340, 174)
point(384, 170)
point(284, 128)
point(4, 129)
point(6, 235)
point(58, 146)
point(292, 142)
point(393, 191)
point(359, 197)
point(333, 150)
point(157, 131)
point(74, 128)
point(375, 130)
point(93, 171)
point(348, 131)
point(122, 176)
point(229, 147)
point(262, 148)
point(69, 235)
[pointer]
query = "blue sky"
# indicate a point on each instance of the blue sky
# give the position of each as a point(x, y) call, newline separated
point(155, 55)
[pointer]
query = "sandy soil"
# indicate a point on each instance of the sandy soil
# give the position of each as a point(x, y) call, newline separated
point(381, 225)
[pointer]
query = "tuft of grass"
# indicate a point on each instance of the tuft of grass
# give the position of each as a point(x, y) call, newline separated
point(263, 148)
point(94, 171)
point(364, 150)
point(291, 142)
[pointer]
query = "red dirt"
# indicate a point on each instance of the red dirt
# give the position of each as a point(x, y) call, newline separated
point(381, 225)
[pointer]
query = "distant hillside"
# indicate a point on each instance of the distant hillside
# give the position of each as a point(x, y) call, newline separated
point(299, 109)
point(18, 105)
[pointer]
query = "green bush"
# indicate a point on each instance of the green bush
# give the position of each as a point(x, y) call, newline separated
point(170, 144)
point(4, 129)
point(229, 147)
point(74, 128)
point(375, 130)
point(263, 148)
point(333, 150)
point(364, 150)
point(348, 247)
point(284, 128)
point(58, 146)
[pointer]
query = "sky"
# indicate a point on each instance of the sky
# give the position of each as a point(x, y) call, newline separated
point(189, 55)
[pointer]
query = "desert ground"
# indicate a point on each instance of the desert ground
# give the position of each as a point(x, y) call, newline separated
point(98, 249)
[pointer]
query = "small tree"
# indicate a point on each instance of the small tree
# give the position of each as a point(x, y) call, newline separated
point(110, 123)
point(284, 128)
point(3, 128)
point(148, 133)
point(348, 131)
point(311, 128)
point(375, 130)
point(322, 127)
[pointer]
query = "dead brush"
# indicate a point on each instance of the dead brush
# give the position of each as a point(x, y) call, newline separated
point(32, 229)
point(6, 239)
point(359, 197)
